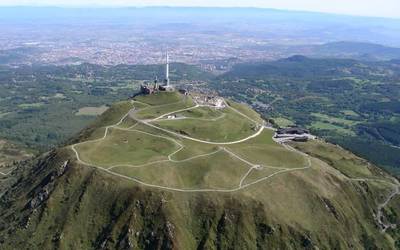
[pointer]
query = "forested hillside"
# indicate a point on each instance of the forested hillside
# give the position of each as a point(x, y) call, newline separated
point(349, 102)
point(40, 105)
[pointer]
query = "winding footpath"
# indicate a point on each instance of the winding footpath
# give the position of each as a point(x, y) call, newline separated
point(241, 185)
point(379, 215)
point(147, 123)
point(9, 172)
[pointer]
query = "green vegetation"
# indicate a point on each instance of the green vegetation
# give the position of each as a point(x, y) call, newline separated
point(192, 148)
point(246, 110)
point(92, 111)
point(331, 128)
point(65, 204)
point(217, 171)
point(350, 113)
point(10, 154)
point(350, 102)
point(345, 101)
point(97, 129)
point(137, 150)
point(263, 150)
point(201, 113)
point(158, 110)
point(122, 147)
point(283, 122)
point(160, 158)
point(160, 98)
point(258, 174)
point(342, 160)
point(230, 127)
point(38, 104)
point(128, 122)
point(333, 120)
point(31, 105)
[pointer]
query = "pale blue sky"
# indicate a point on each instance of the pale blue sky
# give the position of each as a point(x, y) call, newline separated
point(383, 8)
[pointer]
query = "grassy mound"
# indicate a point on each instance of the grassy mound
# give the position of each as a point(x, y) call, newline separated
point(161, 98)
point(230, 127)
point(263, 150)
point(201, 113)
point(246, 110)
point(217, 171)
point(125, 147)
point(156, 111)
point(132, 148)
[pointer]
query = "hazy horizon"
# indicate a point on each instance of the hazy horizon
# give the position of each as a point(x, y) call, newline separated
point(374, 8)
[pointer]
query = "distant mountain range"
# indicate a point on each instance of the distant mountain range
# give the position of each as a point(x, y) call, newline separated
point(357, 50)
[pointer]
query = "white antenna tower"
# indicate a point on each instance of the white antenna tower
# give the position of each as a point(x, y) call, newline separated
point(167, 69)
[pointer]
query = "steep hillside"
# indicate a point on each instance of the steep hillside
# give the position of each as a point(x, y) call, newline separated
point(145, 176)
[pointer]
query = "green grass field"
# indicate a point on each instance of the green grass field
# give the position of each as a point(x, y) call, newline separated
point(332, 119)
point(230, 127)
point(157, 157)
point(156, 111)
point(128, 122)
point(246, 110)
point(204, 113)
point(258, 174)
point(335, 128)
point(92, 111)
point(219, 171)
point(126, 147)
point(283, 122)
point(344, 161)
point(263, 150)
point(161, 98)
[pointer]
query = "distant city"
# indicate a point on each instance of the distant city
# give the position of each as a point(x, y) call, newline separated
point(190, 48)
point(215, 39)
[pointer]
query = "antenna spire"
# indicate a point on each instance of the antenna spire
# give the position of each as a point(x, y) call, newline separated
point(167, 69)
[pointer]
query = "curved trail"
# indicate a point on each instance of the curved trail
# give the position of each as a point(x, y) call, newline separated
point(253, 167)
point(194, 118)
point(379, 214)
point(147, 122)
point(9, 172)
point(202, 141)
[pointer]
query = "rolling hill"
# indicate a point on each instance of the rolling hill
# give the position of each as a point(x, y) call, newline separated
point(168, 171)
point(357, 50)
